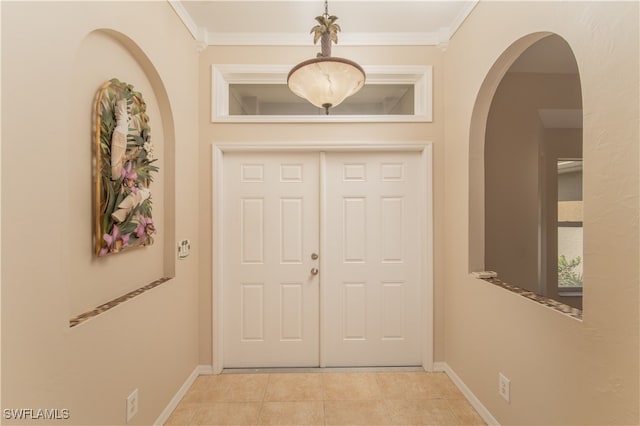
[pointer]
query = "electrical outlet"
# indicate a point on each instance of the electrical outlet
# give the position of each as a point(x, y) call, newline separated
point(132, 405)
point(504, 386)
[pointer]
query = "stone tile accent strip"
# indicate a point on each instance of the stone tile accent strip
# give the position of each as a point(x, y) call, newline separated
point(554, 304)
point(115, 302)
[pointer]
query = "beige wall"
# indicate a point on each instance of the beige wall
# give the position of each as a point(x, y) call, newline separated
point(318, 132)
point(562, 371)
point(515, 137)
point(55, 56)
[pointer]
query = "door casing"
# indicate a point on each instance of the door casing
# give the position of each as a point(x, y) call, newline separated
point(218, 151)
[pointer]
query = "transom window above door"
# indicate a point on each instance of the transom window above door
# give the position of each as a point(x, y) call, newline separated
point(259, 93)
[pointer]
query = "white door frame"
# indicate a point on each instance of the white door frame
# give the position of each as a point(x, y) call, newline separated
point(218, 151)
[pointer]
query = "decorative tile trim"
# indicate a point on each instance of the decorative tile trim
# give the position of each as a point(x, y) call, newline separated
point(115, 302)
point(551, 303)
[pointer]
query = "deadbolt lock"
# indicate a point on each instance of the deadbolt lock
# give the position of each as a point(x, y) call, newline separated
point(314, 256)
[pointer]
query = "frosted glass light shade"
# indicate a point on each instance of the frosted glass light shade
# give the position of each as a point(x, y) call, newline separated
point(326, 81)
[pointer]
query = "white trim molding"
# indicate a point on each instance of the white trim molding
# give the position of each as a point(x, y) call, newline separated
point(186, 18)
point(462, 16)
point(350, 39)
point(473, 400)
point(200, 370)
point(420, 76)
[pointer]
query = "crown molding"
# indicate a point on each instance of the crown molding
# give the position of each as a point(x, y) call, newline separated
point(462, 16)
point(185, 17)
point(350, 39)
point(198, 33)
point(204, 38)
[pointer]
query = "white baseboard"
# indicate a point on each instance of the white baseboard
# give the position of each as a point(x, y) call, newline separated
point(204, 370)
point(473, 400)
point(200, 370)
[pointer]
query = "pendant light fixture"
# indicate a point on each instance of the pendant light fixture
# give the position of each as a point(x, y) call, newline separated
point(326, 81)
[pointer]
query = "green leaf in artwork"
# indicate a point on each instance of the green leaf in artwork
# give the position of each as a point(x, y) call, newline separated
point(145, 207)
point(119, 196)
point(135, 138)
point(111, 197)
point(109, 205)
point(127, 226)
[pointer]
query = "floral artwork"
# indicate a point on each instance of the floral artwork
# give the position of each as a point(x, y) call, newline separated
point(124, 167)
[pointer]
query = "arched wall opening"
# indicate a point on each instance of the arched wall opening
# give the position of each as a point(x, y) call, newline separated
point(118, 275)
point(527, 116)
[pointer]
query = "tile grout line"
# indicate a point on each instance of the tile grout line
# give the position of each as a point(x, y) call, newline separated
point(324, 404)
point(264, 394)
point(324, 401)
point(380, 380)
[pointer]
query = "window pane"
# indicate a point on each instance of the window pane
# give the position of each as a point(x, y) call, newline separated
point(570, 230)
point(569, 256)
point(277, 99)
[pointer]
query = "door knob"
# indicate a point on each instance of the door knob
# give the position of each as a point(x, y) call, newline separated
point(314, 256)
point(314, 271)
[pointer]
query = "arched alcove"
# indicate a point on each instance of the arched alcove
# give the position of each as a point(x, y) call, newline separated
point(527, 116)
point(102, 55)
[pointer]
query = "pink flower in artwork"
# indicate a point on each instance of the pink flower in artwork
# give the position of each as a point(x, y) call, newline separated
point(115, 241)
point(145, 227)
point(129, 176)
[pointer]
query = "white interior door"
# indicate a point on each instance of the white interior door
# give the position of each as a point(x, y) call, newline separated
point(373, 273)
point(371, 260)
point(270, 307)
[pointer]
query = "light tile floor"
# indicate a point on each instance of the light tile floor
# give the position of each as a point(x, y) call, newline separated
point(354, 398)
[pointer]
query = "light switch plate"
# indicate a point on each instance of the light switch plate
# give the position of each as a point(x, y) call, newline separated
point(184, 249)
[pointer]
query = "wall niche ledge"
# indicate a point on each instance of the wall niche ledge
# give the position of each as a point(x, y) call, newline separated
point(550, 303)
point(79, 319)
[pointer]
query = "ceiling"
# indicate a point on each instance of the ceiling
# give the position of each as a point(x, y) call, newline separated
point(288, 22)
point(374, 22)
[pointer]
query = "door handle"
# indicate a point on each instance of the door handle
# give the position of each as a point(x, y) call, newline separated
point(314, 271)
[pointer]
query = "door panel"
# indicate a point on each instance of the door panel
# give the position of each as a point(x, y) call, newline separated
point(373, 271)
point(371, 282)
point(270, 308)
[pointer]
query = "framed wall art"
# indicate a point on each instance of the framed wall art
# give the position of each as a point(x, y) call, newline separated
point(124, 168)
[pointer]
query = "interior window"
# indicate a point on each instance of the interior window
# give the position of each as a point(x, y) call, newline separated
point(533, 205)
point(277, 99)
point(259, 94)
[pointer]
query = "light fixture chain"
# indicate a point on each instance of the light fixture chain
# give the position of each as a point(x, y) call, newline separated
point(326, 8)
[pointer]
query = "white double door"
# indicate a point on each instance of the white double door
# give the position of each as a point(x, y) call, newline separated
point(322, 261)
